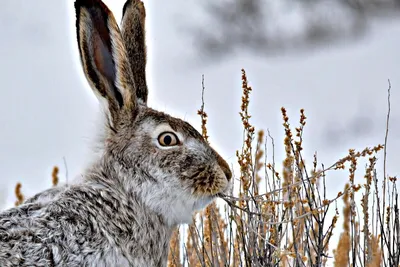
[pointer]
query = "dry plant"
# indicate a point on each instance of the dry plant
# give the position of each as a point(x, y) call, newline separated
point(284, 217)
point(18, 194)
point(54, 176)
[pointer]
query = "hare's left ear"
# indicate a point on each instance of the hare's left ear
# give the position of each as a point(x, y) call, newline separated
point(104, 58)
point(133, 33)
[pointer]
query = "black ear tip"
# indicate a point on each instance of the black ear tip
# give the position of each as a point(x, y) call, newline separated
point(126, 5)
point(83, 3)
point(87, 2)
point(90, 4)
point(96, 8)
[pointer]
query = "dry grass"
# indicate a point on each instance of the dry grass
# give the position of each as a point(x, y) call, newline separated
point(18, 194)
point(283, 217)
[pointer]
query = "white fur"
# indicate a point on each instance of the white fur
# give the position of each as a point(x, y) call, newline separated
point(174, 204)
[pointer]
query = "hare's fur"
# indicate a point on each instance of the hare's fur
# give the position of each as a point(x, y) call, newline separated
point(124, 208)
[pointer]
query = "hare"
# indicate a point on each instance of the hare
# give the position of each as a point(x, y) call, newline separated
point(153, 173)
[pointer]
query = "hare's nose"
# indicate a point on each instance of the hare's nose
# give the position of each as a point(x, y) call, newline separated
point(225, 167)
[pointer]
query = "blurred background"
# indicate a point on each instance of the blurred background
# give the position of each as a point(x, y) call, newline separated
point(332, 58)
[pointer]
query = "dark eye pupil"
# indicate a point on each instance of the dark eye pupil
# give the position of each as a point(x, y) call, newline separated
point(167, 140)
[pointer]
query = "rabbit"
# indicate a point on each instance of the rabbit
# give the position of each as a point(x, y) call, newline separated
point(153, 173)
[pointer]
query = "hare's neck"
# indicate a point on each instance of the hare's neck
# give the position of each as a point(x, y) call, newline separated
point(146, 235)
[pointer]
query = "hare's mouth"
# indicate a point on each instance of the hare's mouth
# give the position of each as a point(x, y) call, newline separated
point(210, 185)
point(220, 195)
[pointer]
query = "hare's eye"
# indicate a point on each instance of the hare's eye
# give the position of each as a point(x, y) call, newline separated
point(168, 139)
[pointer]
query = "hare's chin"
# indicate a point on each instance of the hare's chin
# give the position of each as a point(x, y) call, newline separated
point(203, 202)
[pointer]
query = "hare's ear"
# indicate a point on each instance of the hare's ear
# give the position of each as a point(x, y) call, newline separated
point(133, 33)
point(104, 57)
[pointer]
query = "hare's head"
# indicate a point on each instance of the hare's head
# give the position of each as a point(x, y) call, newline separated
point(163, 157)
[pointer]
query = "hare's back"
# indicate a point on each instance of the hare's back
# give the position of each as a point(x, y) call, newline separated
point(48, 195)
point(21, 242)
point(43, 233)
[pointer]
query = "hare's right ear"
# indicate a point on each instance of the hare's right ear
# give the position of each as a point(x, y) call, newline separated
point(104, 58)
point(133, 33)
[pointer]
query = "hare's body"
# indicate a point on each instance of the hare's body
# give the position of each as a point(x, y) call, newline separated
point(153, 173)
point(84, 225)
